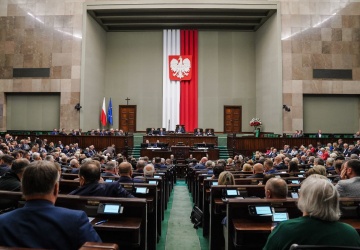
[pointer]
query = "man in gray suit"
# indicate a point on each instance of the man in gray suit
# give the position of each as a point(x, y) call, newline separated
point(349, 185)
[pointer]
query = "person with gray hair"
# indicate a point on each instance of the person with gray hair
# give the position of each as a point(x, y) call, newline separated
point(149, 171)
point(40, 222)
point(36, 157)
point(319, 225)
point(111, 169)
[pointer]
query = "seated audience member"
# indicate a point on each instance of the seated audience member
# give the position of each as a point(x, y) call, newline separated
point(293, 167)
point(269, 167)
point(319, 225)
point(110, 169)
point(329, 165)
point(75, 166)
point(318, 169)
point(159, 164)
point(319, 161)
point(198, 132)
point(247, 168)
point(217, 171)
point(151, 131)
point(276, 188)
point(89, 176)
point(258, 171)
point(5, 163)
point(180, 130)
point(149, 171)
point(226, 178)
point(162, 132)
point(140, 166)
point(209, 132)
point(39, 224)
point(278, 163)
point(125, 172)
point(11, 180)
point(209, 166)
point(201, 164)
point(349, 185)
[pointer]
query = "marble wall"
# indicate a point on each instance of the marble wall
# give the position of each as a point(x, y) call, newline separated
point(317, 35)
point(37, 33)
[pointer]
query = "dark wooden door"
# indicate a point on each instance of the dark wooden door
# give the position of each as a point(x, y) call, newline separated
point(232, 119)
point(127, 118)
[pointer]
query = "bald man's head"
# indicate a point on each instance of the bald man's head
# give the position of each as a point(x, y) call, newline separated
point(125, 169)
point(276, 188)
point(258, 168)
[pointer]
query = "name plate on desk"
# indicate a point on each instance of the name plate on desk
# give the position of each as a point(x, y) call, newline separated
point(154, 148)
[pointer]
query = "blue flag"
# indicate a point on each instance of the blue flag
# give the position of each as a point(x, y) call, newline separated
point(109, 113)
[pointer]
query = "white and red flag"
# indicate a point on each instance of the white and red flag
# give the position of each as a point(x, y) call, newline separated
point(180, 79)
point(103, 114)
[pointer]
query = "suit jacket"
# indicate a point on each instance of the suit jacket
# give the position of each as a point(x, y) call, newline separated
point(108, 189)
point(349, 188)
point(10, 181)
point(126, 179)
point(178, 130)
point(258, 175)
point(39, 224)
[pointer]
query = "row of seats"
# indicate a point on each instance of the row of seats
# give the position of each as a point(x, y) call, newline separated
point(138, 226)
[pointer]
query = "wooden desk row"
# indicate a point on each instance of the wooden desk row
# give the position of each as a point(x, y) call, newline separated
point(128, 230)
point(212, 154)
point(186, 139)
point(246, 232)
point(248, 145)
point(122, 143)
point(139, 227)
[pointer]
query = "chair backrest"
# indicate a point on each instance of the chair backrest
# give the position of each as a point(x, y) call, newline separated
point(308, 247)
point(201, 130)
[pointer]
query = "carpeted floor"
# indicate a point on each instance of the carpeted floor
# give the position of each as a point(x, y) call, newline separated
point(178, 232)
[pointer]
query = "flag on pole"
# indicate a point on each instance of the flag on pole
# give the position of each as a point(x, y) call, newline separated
point(103, 114)
point(109, 114)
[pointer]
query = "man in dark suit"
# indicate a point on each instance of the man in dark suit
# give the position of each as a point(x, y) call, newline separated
point(54, 132)
point(198, 132)
point(162, 132)
point(210, 132)
point(39, 224)
point(11, 180)
point(319, 134)
point(5, 163)
point(89, 175)
point(258, 171)
point(180, 130)
point(125, 172)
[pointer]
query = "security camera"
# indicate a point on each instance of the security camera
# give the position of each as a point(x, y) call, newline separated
point(78, 107)
point(286, 108)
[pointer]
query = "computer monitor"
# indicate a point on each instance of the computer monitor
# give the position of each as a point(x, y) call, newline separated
point(144, 145)
point(200, 145)
point(210, 145)
point(156, 132)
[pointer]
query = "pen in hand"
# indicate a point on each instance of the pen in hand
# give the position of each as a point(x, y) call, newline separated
point(100, 222)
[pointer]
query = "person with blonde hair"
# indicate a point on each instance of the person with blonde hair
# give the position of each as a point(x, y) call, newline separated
point(319, 225)
point(318, 169)
point(247, 168)
point(226, 178)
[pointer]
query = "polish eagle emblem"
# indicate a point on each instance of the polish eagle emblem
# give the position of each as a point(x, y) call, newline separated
point(180, 68)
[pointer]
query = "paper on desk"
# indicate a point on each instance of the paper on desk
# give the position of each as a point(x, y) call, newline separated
point(91, 219)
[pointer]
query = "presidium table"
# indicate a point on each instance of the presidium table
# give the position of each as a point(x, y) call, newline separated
point(182, 146)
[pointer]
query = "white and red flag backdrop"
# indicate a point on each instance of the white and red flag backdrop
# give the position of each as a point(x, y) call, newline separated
point(180, 98)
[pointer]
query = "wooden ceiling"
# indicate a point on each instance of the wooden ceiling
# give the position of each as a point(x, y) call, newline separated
point(114, 20)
